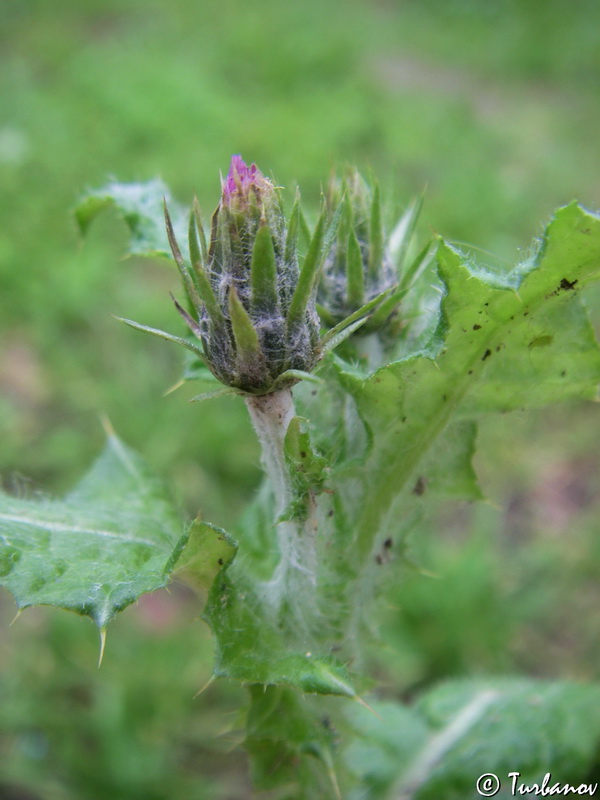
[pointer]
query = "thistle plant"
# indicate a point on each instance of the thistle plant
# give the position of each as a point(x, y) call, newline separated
point(253, 311)
point(353, 464)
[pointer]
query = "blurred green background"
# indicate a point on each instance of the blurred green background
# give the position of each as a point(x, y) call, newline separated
point(494, 107)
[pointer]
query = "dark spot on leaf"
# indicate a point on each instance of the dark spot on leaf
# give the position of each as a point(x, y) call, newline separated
point(541, 341)
point(403, 419)
point(220, 562)
point(476, 327)
point(525, 314)
point(388, 543)
point(377, 380)
point(486, 304)
point(420, 486)
point(470, 372)
point(314, 392)
point(498, 348)
point(567, 285)
point(587, 231)
point(302, 454)
point(330, 512)
point(487, 354)
point(379, 558)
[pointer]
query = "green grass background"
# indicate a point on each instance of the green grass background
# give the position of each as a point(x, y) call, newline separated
point(494, 107)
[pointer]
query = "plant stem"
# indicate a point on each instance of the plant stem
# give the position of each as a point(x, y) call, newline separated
point(271, 414)
point(295, 574)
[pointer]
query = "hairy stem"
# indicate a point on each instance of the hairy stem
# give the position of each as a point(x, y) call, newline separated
point(271, 415)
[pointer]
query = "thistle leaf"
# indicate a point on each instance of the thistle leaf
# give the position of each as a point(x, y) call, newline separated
point(203, 553)
point(250, 650)
point(466, 728)
point(141, 206)
point(519, 340)
point(279, 749)
point(97, 550)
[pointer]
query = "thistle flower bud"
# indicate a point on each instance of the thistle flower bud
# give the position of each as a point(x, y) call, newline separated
point(253, 309)
point(364, 263)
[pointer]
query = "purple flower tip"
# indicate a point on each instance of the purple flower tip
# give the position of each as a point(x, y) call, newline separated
point(242, 179)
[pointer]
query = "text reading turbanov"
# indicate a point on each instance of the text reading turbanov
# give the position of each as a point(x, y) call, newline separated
point(489, 785)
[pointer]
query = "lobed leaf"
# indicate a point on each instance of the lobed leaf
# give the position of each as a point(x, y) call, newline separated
point(250, 647)
point(203, 553)
point(515, 341)
point(467, 728)
point(289, 744)
point(97, 550)
point(141, 206)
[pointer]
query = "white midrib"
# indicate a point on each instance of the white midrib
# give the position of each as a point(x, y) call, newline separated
point(59, 527)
